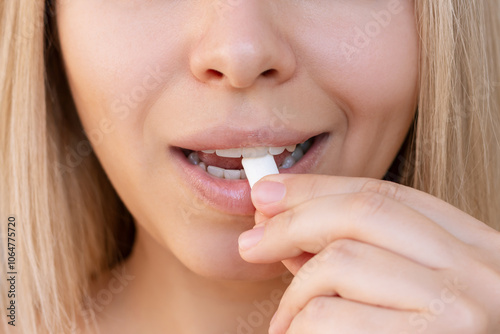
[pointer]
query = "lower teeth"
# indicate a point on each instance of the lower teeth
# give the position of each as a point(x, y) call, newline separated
point(297, 154)
point(239, 174)
point(288, 162)
point(222, 173)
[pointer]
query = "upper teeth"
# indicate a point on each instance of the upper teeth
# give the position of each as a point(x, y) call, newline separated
point(251, 152)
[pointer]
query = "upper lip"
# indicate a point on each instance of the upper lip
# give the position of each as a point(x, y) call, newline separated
point(226, 137)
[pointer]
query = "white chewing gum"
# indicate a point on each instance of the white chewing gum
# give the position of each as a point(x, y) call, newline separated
point(257, 168)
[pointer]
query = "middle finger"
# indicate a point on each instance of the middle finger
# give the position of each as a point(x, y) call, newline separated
point(367, 217)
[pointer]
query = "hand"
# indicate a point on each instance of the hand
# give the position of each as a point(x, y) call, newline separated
point(372, 256)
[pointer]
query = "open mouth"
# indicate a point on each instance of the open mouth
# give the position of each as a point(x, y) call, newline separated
point(226, 163)
point(216, 176)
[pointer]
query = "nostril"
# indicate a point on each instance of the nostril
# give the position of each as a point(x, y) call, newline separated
point(214, 73)
point(269, 73)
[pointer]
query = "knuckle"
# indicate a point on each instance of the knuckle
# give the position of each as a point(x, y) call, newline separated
point(309, 271)
point(288, 228)
point(468, 317)
point(321, 315)
point(299, 325)
point(287, 220)
point(315, 310)
point(366, 204)
point(341, 251)
point(385, 188)
point(316, 186)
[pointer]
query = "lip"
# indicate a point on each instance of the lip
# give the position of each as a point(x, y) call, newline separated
point(226, 137)
point(233, 196)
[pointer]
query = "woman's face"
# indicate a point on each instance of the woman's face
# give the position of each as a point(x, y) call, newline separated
point(156, 80)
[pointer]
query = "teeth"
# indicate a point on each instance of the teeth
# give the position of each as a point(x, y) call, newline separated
point(254, 152)
point(230, 153)
point(229, 174)
point(306, 145)
point(232, 174)
point(216, 171)
point(193, 158)
point(251, 152)
point(298, 152)
point(276, 150)
point(288, 162)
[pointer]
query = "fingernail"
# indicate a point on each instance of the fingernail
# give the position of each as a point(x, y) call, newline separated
point(267, 192)
point(250, 238)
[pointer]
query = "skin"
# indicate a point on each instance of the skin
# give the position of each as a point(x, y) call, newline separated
point(400, 259)
point(143, 73)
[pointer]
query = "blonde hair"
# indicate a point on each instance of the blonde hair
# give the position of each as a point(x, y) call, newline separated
point(69, 219)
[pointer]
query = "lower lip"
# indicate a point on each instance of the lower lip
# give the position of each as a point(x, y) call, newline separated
point(233, 196)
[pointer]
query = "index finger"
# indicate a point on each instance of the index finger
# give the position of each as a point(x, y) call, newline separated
point(300, 188)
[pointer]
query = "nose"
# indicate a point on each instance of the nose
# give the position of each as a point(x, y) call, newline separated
point(241, 46)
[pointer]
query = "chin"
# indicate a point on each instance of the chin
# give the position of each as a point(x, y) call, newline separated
point(238, 271)
point(214, 254)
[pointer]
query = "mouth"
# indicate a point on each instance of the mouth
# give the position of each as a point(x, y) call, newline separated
point(226, 163)
point(217, 177)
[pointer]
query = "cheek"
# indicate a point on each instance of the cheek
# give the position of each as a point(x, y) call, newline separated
point(114, 62)
point(370, 63)
point(381, 82)
point(116, 70)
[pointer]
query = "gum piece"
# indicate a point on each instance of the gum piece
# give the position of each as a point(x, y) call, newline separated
point(257, 168)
